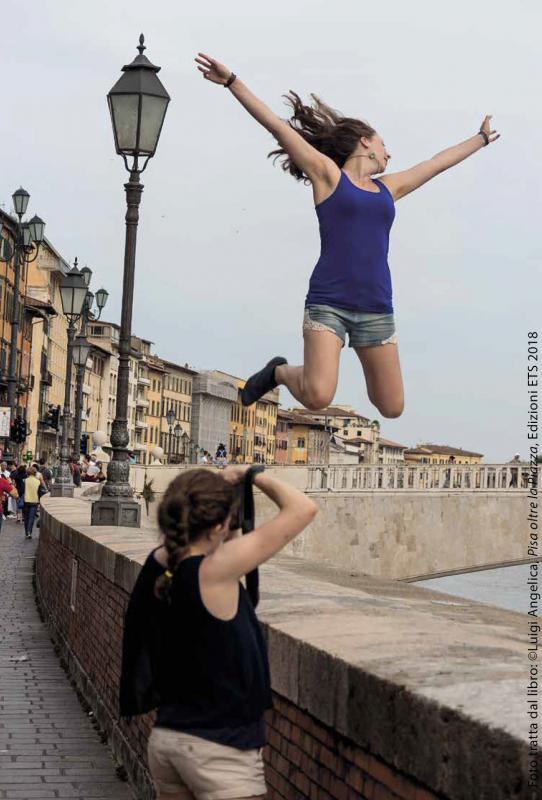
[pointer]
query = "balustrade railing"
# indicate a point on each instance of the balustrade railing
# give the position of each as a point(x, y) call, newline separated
point(423, 477)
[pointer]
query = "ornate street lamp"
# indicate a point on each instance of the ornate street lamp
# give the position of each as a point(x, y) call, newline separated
point(28, 238)
point(170, 419)
point(86, 272)
point(185, 439)
point(137, 104)
point(81, 351)
point(73, 291)
point(101, 299)
point(177, 430)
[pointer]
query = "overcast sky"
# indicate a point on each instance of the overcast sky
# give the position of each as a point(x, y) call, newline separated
point(227, 241)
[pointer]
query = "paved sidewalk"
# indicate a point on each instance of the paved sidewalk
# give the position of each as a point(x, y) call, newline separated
point(48, 746)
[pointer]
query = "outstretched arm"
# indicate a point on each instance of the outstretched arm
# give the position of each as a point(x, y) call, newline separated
point(402, 183)
point(314, 164)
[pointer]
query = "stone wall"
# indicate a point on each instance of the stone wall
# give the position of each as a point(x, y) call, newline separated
point(399, 535)
point(382, 691)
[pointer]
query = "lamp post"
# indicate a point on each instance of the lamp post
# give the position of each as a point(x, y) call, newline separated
point(170, 419)
point(138, 104)
point(27, 240)
point(185, 439)
point(177, 430)
point(73, 291)
point(101, 299)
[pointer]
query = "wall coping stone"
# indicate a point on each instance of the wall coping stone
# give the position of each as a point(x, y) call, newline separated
point(431, 683)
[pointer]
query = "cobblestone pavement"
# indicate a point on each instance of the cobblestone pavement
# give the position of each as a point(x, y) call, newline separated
point(48, 746)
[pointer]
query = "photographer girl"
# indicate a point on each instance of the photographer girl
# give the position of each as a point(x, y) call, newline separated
point(193, 647)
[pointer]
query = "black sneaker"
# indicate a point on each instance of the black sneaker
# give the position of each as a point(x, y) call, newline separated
point(261, 382)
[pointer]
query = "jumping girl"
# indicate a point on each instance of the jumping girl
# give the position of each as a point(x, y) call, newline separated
point(350, 288)
point(210, 678)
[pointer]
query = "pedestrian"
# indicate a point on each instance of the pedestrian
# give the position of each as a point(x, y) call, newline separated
point(7, 489)
point(5, 473)
point(32, 493)
point(514, 472)
point(18, 480)
point(221, 458)
point(45, 472)
point(350, 290)
point(75, 470)
point(101, 476)
point(209, 731)
point(448, 474)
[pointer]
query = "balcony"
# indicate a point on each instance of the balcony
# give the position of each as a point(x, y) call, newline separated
point(142, 381)
point(141, 402)
point(46, 378)
point(141, 424)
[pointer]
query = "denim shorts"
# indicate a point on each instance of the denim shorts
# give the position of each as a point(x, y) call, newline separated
point(364, 328)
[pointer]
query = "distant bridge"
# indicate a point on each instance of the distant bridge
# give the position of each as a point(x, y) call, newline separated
point(423, 477)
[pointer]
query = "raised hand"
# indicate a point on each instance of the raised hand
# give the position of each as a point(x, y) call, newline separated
point(213, 70)
point(485, 127)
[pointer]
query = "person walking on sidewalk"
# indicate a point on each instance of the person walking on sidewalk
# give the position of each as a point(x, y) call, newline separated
point(209, 676)
point(6, 488)
point(32, 486)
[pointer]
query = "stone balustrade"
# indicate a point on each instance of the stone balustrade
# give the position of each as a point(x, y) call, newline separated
point(422, 477)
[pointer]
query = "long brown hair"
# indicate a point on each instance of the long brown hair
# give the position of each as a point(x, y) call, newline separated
point(325, 129)
point(194, 502)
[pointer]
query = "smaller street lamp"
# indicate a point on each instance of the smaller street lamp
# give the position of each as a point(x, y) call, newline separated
point(170, 419)
point(101, 299)
point(81, 351)
point(20, 201)
point(86, 272)
point(73, 292)
point(177, 430)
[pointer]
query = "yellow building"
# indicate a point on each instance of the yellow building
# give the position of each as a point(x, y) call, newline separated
point(177, 397)
point(427, 453)
point(49, 345)
point(155, 392)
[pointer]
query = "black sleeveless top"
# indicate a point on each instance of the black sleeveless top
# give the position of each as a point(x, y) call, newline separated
point(213, 674)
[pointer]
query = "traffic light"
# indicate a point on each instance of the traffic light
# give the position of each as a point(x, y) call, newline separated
point(51, 417)
point(55, 417)
point(18, 430)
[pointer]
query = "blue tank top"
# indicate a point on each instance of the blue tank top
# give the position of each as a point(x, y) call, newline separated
point(352, 271)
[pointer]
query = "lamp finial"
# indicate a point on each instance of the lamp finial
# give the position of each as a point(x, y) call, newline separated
point(141, 45)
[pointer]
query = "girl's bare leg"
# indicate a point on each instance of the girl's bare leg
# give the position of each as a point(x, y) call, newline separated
point(314, 384)
point(383, 377)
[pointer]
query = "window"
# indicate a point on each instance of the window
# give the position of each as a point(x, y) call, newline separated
point(301, 442)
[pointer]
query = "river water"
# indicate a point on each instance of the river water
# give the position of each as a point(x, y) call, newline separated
point(504, 587)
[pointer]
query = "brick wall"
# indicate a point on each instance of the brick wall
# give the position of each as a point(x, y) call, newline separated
point(304, 758)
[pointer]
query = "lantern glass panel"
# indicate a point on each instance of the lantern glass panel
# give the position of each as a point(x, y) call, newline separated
point(27, 236)
point(153, 111)
point(124, 110)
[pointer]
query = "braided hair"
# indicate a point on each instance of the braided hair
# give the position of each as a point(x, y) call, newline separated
point(194, 502)
point(325, 129)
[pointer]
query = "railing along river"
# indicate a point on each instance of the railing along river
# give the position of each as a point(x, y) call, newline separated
point(423, 477)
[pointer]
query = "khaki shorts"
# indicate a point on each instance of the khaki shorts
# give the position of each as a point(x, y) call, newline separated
point(181, 763)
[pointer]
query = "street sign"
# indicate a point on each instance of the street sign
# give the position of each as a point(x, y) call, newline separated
point(5, 419)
